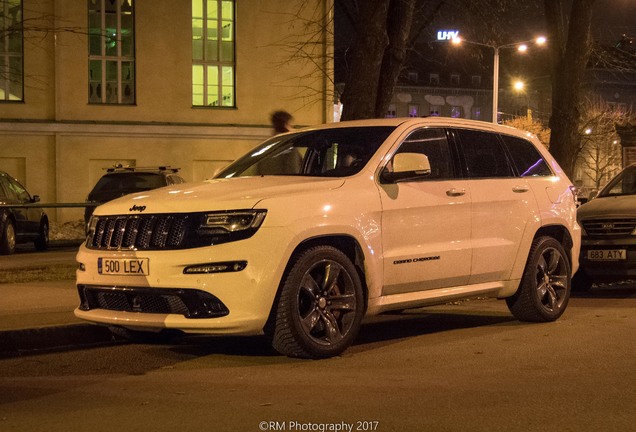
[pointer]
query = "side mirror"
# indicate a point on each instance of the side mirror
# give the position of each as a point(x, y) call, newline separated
point(407, 167)
point(35, 198)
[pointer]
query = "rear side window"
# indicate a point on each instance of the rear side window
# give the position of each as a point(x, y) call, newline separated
point(526, 158)
point(483, 154)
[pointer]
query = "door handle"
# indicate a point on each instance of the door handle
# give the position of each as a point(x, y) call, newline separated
point(520, 189)
point(455, 192)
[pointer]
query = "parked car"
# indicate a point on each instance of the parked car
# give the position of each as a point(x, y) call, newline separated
point(20, 224)
point(314, 229)
point(119, 181)
point(608, 222)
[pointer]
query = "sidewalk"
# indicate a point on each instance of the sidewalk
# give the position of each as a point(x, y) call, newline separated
point(38, 316)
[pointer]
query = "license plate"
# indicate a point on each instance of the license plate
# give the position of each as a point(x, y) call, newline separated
point(125, 267)
point(607, 254)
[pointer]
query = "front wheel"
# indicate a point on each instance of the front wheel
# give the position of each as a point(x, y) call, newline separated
point(545, 286)
point(320, 307)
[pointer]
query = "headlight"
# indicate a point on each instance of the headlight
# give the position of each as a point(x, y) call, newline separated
point(232, 222)
point(90, 228)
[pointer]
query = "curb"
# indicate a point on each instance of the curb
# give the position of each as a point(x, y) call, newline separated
point(15, 343)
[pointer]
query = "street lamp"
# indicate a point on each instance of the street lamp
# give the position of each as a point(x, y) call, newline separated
point(521, 47)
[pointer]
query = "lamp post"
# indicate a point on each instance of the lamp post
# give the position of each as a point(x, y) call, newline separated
point(521, 47)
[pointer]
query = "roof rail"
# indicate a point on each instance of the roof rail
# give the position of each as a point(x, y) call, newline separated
point(121, 168)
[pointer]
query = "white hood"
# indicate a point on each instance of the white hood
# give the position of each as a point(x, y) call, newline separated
point(216, 194)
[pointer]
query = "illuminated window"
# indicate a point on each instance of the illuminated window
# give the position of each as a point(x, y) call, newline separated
point(213, 60)
point(414, 110)
point(454, 79)
point(11, 72)
point(391, 112)
point(111, 52)
point(433, 79)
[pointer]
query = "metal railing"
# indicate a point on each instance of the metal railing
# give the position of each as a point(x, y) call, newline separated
point(50, 205)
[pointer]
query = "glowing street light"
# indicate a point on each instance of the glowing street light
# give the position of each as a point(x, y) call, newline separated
point(519, 85)
point(521, 47)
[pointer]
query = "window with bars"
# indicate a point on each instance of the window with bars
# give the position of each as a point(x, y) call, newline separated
point(213, 53)
point(11, 54)
point(111, 57)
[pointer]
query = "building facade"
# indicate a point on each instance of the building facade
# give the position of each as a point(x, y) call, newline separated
point(86, 84)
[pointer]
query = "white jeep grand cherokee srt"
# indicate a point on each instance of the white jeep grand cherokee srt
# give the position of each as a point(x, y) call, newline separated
point(314, 229)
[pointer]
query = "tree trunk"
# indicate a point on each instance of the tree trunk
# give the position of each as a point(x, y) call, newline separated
point(360, 93)
point(570, 54)
point(398, 28)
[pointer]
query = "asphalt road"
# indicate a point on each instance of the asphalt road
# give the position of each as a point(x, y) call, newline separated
point(460, 367)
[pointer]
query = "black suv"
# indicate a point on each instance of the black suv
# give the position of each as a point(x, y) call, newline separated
point(20, 224)
point(119, 181)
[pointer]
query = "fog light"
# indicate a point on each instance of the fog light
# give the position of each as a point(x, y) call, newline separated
point(220, 267)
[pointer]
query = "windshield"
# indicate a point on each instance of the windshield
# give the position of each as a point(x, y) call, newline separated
point(623, 184)
point(334, 152)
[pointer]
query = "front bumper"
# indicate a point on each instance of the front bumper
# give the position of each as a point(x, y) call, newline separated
point(236, 302)
point(609, 269)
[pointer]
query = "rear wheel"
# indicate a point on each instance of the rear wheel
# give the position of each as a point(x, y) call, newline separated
point(321, 305)
point(7, 241)
point(42, 242)
point(545, 287)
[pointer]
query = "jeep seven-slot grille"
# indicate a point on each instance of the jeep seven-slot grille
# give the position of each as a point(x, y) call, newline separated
point(609, 227)
point(139, 232)
point(190, 303)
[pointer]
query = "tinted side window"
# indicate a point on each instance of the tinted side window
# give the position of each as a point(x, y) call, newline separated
point(483, 154)
point(526, 158)
point(433, 144)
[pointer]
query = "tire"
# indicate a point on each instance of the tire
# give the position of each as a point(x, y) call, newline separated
point(7, 240)
point(545, 286)
point(42, 242)
point(581, 281)
point(320, 306)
